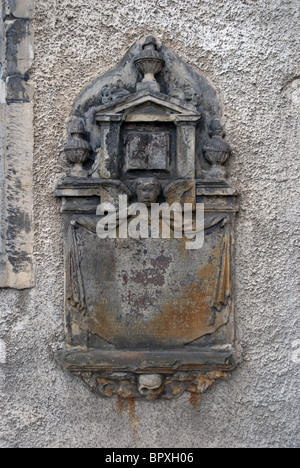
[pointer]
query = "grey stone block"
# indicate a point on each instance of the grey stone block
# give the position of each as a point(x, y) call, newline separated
point(19, 8)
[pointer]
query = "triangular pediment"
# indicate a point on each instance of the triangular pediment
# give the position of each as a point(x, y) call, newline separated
point(148, 103)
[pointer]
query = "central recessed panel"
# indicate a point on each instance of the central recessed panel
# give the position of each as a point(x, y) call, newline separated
point(147, 151)
point(150, 293)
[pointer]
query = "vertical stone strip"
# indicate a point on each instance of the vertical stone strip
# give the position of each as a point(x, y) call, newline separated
point(109, 151)
point(186, 146)
point(16, 148)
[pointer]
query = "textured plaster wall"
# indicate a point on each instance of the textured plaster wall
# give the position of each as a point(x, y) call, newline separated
point(249, 50)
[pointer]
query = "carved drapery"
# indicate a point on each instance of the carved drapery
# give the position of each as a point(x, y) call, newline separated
point(148, 318)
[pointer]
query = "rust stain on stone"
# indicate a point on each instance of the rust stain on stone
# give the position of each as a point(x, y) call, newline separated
point(190, 315)
point(182, 319)
point(132, 414)
point(120, 403)
point(128, 402)
point(194, 399)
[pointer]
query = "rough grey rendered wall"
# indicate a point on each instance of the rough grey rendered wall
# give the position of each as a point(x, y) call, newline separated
point(249, 49)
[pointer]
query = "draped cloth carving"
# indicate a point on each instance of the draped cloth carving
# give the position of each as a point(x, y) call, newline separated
point(222, 291)
point(75, 289)
point(145, 316)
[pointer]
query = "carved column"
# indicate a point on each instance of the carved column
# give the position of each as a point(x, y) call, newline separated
point(149, 317)
point(186, 146)
point(108, 154)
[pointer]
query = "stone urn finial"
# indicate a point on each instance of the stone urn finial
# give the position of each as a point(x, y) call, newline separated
point(216, 151)
point(149, 64)
point(77, 149)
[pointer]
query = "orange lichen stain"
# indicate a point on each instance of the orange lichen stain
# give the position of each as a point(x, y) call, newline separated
point(194, 399)
point(106, 386)
point(203, 382)
point(215, 375)
point(177, 391)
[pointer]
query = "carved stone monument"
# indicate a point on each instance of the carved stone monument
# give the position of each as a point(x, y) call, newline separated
point(147, 317)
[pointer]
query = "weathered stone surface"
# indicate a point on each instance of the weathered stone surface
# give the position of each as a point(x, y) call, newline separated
point(18, 47)
point(16, 268)
point(186, 149)
point(19, 8)
point(147, 151)
point(250, 51)
point(18, 89)
point(145, 303)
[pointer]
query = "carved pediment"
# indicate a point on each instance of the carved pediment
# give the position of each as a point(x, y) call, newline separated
point(153, 306)
point(148, 105)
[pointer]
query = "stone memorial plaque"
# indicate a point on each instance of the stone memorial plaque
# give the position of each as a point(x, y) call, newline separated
point(149, 229)
point(145, 294)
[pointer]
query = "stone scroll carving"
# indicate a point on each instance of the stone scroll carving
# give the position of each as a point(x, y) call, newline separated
point(148, 315)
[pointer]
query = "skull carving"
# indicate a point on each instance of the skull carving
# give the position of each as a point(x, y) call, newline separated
point(151, 386)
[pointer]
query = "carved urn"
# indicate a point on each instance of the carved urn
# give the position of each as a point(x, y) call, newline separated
point(149, 64)
point(77, 149)
point(216, 150)
point(149, 313)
